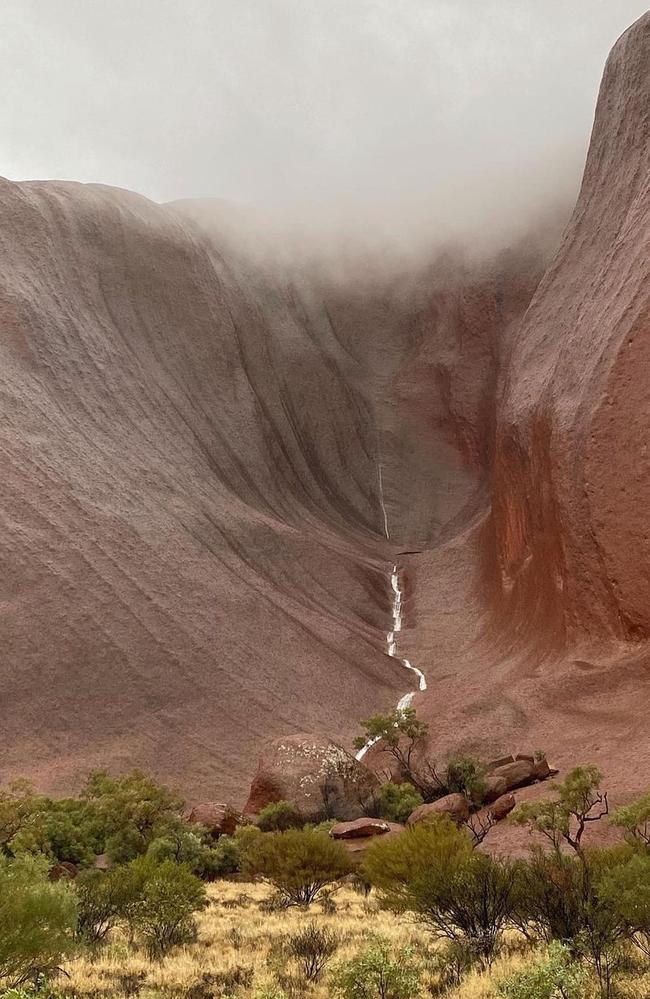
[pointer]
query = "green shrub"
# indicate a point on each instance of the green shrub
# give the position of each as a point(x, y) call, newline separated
point(432, 871)
point(279, 816)
point(106, 898)
point(634, 819)
point(376, 973)
point(626, 889)
point(466, 775)
point(168, 896)
point(132, 810)
point(556, 976)
point(37, 920)
point(312, 947)
point(397, 801)
point(564, 819)
point(299, 863)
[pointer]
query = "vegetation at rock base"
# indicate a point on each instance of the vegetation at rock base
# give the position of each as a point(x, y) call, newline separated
point(149, 903)
point(299, 863)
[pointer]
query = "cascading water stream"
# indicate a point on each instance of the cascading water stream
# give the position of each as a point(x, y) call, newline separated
point(391, 640)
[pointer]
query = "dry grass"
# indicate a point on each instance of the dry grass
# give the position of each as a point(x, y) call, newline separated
point(235, 933)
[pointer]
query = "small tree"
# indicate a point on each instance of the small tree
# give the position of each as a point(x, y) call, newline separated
point(299, 863)
point(564, 819)
point(20, 812)
point(106, 898)
point(312, 947)
point(626, 889)
point(466, 775)
point(279, 816)
point(402, 736)
point(37, 920)
point(377, 973)
point(634, 819)
point(397, 801)
point(132, 810)
point(169, 897)
point(433, 872)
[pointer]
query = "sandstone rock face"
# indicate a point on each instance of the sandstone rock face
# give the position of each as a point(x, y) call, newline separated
point(456, 806)
point(318, 777)
point(194, 539)
point(359, 828)
point(220, 819)
point(192, 444)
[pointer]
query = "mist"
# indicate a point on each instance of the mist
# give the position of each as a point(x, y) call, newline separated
point(402, 120)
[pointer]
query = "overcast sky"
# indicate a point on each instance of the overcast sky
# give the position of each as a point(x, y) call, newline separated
point(280, 101)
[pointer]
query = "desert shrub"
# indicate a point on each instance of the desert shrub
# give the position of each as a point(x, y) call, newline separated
point(450, 964)
point(377, 973)
point(397, 801)
point(169, 895)
point(634, 819)
point(578, 802)
point(279, 816)
point(560, 897)
point(466, 775)
point(402, 736)
point(132, 810)
point(312, 947)
point(626, 889)
point(556, 976)
point(299, 863)
point(432, 872)
point(106, 898)
point(548, 896)
point(37, 920)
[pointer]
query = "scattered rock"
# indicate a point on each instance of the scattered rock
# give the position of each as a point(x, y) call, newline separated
point(318, 777)
point(359, 843)
point(359, 828)
point(220, 819)
point(524, 770)
point(543, 771)
point(63, 871)
point(508, 777)
point(502, 807)
point(456, 806)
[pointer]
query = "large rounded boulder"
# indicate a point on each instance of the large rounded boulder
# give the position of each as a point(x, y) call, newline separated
point(456, 806)
point(317, 776)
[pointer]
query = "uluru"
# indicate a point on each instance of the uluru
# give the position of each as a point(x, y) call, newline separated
point(254, 489)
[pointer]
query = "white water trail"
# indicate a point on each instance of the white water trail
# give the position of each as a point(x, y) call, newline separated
point(391, 640)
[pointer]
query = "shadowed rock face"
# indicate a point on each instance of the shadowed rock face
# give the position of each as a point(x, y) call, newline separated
point(194, 557)
point(551, 642)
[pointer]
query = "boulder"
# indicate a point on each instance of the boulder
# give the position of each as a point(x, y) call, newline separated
point(218, 818)
point(103, 862)
point(502, 807)
point(456, 806)
point(360, 843)
point(543, 771)
point(63, 871)
point(358, 828)
point(508, 777)
point(317, 776)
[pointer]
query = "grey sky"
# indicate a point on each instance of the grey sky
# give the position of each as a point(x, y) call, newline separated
point(359, 102)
